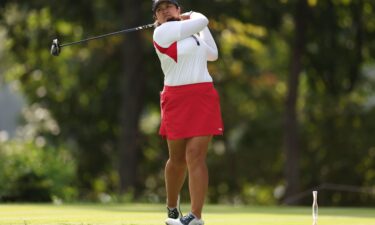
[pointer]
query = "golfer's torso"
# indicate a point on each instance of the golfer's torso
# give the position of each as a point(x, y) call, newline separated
point(184, 62)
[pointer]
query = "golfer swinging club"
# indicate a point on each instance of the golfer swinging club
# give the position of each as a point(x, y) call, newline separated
point(190, 108)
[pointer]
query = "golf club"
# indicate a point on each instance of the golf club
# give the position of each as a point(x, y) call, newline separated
point(56, 46)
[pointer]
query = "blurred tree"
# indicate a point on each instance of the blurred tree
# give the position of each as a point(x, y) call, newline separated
point(82, 98)
point(132, 91)
point(291, 134)
point(336, 101)
point(304, 64)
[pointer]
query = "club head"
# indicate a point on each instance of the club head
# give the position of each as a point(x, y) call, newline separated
point(55, 48)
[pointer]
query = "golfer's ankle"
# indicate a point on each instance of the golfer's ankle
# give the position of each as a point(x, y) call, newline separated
point(196, 215)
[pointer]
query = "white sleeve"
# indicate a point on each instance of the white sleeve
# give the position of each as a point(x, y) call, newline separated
point(212, 52)
point(170, 32)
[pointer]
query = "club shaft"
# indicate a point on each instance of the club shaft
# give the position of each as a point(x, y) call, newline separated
point(109, 34)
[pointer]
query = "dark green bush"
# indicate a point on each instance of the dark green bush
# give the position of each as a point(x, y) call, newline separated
point(35, 174)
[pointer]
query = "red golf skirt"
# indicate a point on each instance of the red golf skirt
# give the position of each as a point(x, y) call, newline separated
point(189, 111)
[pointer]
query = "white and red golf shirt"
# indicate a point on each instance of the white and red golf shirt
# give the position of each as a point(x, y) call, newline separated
point(184, 47)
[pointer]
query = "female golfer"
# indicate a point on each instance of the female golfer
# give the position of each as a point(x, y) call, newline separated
point(190, 108)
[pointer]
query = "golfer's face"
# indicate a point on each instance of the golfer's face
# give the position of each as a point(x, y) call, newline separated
point(166, 11)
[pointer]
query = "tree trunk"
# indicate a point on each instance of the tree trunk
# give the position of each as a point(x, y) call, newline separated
point(132, 89)
point(355, 67)
point(291, 146)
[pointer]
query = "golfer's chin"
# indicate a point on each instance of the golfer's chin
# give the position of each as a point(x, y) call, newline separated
point(172, 19)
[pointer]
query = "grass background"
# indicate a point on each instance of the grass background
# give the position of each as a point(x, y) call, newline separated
point(152, 214)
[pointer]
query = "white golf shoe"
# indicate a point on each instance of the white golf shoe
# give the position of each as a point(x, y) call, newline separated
point(189, 219)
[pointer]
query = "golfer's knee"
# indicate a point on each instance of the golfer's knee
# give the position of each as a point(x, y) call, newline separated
point(194, 156)
point(177, 162)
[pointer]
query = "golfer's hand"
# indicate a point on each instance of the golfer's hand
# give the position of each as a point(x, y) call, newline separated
point(186, 16)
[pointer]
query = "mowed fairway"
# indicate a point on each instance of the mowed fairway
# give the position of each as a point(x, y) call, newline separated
point(142, 214)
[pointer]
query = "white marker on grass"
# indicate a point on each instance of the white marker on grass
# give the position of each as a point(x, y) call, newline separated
point(315, 208)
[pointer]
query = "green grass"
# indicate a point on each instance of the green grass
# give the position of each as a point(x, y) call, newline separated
point(142, 214)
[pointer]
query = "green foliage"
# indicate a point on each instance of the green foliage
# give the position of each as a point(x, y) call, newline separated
point(67, 85)
point(31, 173)
point(337, 146)
point(81, 91)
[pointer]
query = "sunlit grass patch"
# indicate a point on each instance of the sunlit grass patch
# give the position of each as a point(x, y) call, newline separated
point(153, 214)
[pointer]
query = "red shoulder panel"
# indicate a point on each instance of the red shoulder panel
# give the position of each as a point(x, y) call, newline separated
point(170, 51)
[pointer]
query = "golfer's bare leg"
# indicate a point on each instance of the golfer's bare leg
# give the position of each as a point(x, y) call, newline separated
point(175, 170)
point(196, 151)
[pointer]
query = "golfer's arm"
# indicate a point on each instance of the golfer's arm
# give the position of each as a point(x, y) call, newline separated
point(171, 32)
point(194, 25)
point(212, 52)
